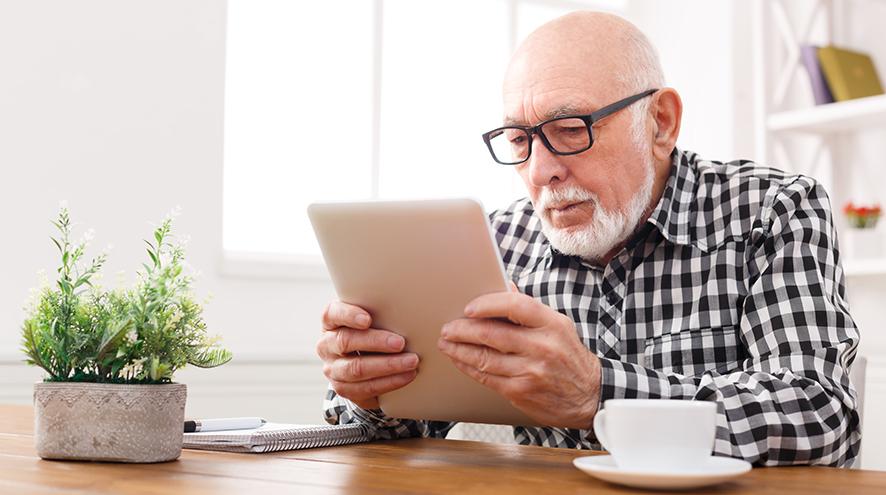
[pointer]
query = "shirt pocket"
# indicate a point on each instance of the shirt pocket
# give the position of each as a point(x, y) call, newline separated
point(692, 352)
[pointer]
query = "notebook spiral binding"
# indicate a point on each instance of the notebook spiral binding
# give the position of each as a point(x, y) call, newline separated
point(309, 438)
point(302, 437)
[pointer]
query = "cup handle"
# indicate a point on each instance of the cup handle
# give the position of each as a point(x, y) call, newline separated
point(600, 427)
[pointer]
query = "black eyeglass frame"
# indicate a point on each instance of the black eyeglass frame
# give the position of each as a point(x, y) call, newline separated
point(588, 119)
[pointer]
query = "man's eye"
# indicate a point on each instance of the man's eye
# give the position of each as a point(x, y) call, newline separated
point(518, 139)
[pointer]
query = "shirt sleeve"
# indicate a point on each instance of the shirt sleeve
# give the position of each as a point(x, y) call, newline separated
point(338, 411)
point(790, 401)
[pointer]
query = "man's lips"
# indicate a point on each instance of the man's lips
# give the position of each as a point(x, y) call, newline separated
point(565, 206)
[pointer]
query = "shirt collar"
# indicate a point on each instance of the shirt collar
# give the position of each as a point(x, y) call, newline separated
point(672, 215)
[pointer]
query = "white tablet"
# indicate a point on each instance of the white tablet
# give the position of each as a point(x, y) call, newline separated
point(414, 265)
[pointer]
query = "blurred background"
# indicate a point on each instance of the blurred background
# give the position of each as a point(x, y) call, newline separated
point(243, 112)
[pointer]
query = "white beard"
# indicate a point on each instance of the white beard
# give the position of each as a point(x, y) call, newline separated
point(607, 228)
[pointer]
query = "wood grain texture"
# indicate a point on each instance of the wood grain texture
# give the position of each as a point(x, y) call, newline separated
point(413, 466)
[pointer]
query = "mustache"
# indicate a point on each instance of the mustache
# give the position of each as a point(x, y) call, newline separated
point(569, 194)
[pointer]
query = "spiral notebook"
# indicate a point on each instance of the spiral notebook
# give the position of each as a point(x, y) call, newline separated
point(273, 437)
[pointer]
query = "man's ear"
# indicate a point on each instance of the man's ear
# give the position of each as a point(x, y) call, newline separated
point(666, 110)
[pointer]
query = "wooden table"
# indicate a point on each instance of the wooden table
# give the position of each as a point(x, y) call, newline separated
point(405, 466)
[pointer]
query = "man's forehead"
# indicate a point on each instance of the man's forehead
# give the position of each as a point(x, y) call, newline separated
point(533, 96)
point(530, 107)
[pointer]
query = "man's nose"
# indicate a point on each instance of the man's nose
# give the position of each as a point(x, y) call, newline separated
point(545, 167)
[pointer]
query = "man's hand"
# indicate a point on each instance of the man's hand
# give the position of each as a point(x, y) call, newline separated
point(347, 332)
point(528, 353)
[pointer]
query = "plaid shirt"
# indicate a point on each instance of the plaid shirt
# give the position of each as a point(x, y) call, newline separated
point(731, 292)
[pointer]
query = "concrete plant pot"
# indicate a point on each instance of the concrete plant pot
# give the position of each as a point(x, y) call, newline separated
point(109, 422)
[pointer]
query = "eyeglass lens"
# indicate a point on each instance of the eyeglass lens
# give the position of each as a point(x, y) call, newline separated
point(567, 135)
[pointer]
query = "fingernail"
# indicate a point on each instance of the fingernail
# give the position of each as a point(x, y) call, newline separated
point(444, 332)
point(443, 344)
point(409, 361)
point(395, 342)
point(362, 320)
point(469, 309)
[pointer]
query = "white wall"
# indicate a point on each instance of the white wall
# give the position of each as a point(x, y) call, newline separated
point(694, 42)
point(116, 107)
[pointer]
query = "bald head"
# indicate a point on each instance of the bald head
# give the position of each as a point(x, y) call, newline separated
point(603, 50)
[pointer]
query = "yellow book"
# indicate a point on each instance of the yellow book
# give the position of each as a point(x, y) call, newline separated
point(849, 74)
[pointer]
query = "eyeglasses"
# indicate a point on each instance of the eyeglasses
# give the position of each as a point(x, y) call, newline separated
point(566, 135)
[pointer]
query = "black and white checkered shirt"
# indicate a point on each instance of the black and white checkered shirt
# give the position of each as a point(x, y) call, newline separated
point(731, 292)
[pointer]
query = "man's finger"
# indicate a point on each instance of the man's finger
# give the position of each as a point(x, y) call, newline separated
point(370, 389)
point(500, 335)
point(513, 306)
point(484, 359)
point(362, 368)
point(346, 340)
point(495, 382)
point(339, 314)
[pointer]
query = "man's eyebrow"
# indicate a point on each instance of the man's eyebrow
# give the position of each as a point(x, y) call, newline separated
point(560, 111)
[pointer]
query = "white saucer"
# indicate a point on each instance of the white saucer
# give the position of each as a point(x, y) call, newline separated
point(714, 470)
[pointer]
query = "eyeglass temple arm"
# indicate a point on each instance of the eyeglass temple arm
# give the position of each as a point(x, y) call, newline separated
point(610, 109)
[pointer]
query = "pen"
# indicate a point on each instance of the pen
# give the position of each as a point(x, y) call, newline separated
point(218, 424)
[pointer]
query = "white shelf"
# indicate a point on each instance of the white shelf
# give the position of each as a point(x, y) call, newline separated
point(865, 267)
point(843, 116)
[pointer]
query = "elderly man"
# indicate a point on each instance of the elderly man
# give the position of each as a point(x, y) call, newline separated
point(643, 272)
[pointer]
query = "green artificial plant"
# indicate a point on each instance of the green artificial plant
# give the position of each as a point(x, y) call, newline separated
point(76, 331)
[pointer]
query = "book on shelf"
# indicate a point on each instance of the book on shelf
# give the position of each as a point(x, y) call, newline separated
point(849, 74)
point(820, 90)
point(272, 437)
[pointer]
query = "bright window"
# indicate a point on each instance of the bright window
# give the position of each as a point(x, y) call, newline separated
point(357, 99)
point(298, 113)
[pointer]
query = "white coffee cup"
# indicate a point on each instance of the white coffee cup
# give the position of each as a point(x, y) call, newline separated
point(657, 434)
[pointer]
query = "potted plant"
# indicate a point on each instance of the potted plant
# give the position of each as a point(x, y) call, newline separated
point(862, 216)
point(862, 240)
point(110, 355)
